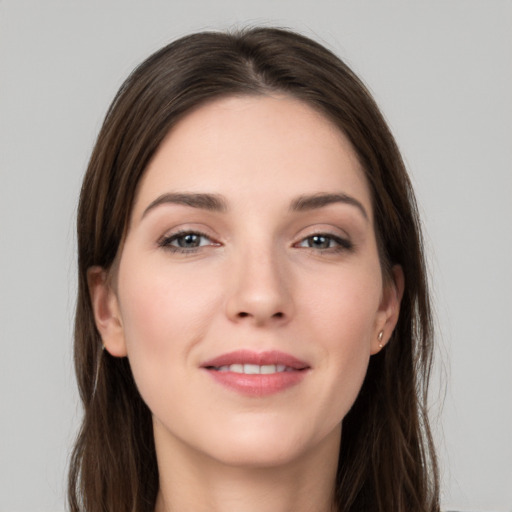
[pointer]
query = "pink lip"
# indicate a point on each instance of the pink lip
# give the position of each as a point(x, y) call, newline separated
point(259, 358)
point(257, 385)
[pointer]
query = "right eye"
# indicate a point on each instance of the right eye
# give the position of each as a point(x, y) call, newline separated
point(186, 241)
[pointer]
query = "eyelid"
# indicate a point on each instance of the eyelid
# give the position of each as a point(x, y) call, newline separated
point(339, 238)
point(343, 241)
point(166, 240)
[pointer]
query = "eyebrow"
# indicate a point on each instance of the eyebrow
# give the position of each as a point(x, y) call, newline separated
point(211, 202)
point(217, 203)
point(315, 201)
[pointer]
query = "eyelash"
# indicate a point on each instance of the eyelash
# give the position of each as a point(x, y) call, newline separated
point(342, 244)
point(166, 241)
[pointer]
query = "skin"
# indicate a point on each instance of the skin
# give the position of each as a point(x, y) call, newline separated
point(257, 281)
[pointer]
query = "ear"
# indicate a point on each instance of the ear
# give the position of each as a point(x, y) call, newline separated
point(106, 311)
point(389, 309)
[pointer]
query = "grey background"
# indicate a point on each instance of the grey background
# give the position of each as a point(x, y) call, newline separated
point(442, 73)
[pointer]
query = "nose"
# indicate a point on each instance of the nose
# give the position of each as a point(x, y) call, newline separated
point(260, 291)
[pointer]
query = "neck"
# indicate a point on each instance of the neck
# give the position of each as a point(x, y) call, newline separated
point(192, 481)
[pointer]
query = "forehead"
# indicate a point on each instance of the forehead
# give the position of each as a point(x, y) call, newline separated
point(253, 149)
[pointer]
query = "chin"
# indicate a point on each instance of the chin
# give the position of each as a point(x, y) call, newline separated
point(271, 445)
point(258, 457)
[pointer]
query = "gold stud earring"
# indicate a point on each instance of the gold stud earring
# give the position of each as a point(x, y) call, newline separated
point(379, 337)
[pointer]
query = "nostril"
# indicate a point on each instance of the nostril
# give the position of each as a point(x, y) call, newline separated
point(244, 314)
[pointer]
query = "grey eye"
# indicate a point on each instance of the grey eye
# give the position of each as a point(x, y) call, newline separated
point(188, 241)
point(323, 242)
point(319, 242)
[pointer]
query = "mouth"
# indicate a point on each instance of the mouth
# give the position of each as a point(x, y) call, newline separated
point(253, 369)
point(257, 374)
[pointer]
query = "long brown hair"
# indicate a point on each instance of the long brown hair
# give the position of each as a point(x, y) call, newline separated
point(387, 461)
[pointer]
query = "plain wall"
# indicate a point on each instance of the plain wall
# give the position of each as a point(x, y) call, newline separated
point(442, 73)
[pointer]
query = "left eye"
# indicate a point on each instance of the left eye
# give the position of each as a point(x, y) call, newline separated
point(324, 242)
point(184, 241)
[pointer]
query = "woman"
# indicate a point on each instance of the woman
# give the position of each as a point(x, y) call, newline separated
point(253, 327)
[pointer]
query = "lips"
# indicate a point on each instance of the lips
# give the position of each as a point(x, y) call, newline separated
point(256, 374)
point(254, 369)
point(256, 358)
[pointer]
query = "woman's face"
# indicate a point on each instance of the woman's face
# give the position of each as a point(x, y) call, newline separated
point(249, 295)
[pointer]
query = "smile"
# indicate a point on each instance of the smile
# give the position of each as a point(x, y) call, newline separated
point(256, 374)
point(253, 369)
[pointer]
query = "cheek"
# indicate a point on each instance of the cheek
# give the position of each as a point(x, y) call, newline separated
point(343, 315)
point(345, 304)
point(153, 298)
point(164, 313)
